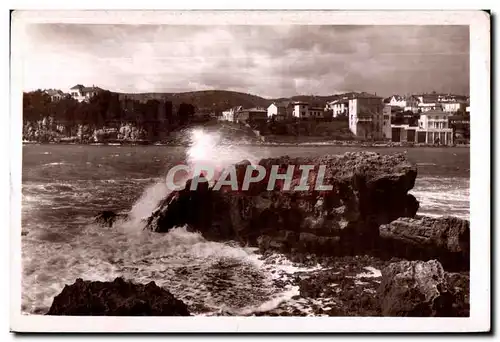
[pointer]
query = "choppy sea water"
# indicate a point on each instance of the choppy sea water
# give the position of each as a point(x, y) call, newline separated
point(64, 186)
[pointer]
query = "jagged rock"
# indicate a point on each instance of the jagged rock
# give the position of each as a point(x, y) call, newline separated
point(416, 288)
point(446, 239)
point(116, 298)
point(459, 286)
point(368, 189)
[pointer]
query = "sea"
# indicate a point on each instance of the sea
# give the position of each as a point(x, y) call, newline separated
point(65, 186)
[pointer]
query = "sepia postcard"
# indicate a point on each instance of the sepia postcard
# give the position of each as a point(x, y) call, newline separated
point(250, 171)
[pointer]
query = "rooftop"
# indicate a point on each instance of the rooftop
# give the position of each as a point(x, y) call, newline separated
point(365, 95)
point(435, 112)
point(53, 92)
point(255, 109)
point(398, 97)
point(282, 104)
point(82, 88)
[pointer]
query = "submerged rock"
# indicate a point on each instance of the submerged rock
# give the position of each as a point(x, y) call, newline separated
point(368, 189)
point(116, 298)
point(446, 239)
point(416, 288)
point(107, 218)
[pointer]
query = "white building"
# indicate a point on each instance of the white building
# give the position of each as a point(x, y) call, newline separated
point(427, 106)
point(230, 114)
point(406, 103)
point(411, 104)
point(279, 110)
point(303, 110)
point(338, 107)
point(397, 101)
point(434, 124)
point(300, 110)
point(451, 107)
point(82, 93)
point(433, 128)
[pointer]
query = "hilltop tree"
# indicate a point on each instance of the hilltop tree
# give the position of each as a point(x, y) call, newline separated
point(36, 105)
point(185, 113)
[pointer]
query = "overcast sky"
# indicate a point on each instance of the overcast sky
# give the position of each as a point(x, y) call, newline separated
point(269, 61)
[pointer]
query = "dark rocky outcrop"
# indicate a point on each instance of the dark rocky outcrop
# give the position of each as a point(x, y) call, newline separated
point(445, 239)
point(368, 189)
point(459, 286)
point(116, 298)
point(417, 288)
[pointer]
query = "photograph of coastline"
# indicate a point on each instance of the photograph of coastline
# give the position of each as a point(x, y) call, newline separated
point(320, 170)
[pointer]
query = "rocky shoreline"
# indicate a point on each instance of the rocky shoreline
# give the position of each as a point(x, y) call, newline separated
point(377, 257)
point(342, 143)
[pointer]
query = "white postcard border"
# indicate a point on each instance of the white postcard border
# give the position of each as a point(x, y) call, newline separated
point(479, 319)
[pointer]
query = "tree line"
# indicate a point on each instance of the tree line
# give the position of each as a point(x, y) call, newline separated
point(107, 109)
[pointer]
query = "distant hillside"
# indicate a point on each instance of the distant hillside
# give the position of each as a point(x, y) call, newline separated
point(211, 100)
point(220, 100)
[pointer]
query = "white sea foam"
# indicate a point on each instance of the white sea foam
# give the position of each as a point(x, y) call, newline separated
point(54, 164)
point(207, 148)
point(271, 303)
point(372, 273)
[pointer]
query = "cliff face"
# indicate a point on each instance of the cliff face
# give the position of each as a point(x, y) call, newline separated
point(367, 190)
point(446, 239)
point(47, 130)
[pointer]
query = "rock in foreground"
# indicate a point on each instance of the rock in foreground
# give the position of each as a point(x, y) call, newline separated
point(368, 189)
point(446, 239)
point(416, 288)
point(116, 298)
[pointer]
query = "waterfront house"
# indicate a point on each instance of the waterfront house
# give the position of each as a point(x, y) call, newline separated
point(230, 114)
point(366, 116)
point(251, 115)
point(434, 125)
point(338, 107)
point(279, 111)
point(300, 110)
point(433, 128)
